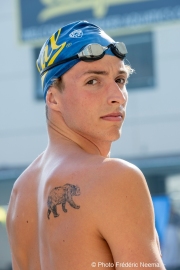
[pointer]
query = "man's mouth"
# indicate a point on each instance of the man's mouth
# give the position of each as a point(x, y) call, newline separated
point(119, 116)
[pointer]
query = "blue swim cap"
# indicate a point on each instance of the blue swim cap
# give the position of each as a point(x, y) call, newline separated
point(67, 42)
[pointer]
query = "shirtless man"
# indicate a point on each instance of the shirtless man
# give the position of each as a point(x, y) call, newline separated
point(75, 207)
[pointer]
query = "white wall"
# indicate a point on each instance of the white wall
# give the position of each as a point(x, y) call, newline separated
point(22, 121)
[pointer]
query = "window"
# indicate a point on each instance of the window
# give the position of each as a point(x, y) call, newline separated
point(140, 57)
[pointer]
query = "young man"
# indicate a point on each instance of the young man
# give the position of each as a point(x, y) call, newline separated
point(75, 207)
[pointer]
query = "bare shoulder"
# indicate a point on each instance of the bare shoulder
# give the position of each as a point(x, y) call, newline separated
point(121, 176)
point(124, 185)
point(22, 193)
point(128, 179)
point(22, 217)
point(116, 187)
point(124, 213)
point(25, 180)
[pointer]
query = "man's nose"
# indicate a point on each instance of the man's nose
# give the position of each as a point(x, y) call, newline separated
point(117, 94)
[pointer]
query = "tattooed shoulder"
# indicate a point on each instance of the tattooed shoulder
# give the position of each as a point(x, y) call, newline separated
point(61, 195)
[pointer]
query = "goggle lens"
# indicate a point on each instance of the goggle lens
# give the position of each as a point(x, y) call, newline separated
point(92, 52)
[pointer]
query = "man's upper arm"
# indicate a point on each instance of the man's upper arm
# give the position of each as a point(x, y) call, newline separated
point(126, 220)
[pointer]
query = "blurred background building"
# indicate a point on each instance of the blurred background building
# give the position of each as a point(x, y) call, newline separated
point(151, 134)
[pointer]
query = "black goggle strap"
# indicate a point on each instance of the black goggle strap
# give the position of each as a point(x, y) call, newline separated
point(58, 63)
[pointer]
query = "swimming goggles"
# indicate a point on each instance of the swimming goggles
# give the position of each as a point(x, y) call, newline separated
point(93, 52)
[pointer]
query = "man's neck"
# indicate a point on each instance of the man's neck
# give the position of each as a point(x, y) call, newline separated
point(58, 130)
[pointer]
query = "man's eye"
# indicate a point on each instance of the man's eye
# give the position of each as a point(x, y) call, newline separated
point(92, 81)
point(121, 81)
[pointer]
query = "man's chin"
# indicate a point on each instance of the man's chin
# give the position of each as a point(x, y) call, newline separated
point(115, 136)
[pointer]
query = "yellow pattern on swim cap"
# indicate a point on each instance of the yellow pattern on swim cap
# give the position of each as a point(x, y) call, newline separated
point(55, 49)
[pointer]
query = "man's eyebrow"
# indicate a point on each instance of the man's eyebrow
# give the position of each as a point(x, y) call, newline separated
point(123, 71)
point(103, 72)
point(99, 72)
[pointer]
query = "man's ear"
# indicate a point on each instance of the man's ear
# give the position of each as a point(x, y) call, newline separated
point(53, 100)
